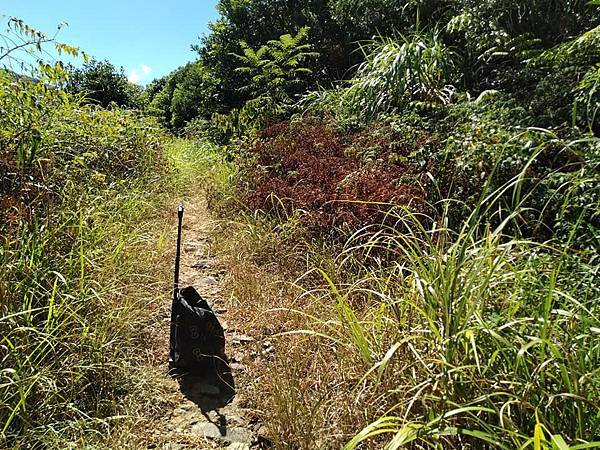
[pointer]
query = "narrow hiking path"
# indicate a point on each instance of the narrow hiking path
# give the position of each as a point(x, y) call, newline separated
point(195, 422)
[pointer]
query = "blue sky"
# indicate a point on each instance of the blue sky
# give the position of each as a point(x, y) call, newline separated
point(148, 38)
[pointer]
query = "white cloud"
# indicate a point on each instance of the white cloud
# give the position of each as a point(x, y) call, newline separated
point(139, 74)
point(134, 77)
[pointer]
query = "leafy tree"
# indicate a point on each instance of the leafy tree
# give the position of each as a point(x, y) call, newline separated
point(366, 19)
point(276, 74)
point(478, 45)
point(103, 84)
point(158, 96)
point(195, 96)
point(588, 99)
point(256, 22)
point(548, 21)
point(20, 44)
point(190, 91)
point(572, 65)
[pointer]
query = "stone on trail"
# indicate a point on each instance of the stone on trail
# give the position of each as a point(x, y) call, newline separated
point(201, 264)
point(208, 281)
point(227, 435)
point(173, 446)
point(237, 338)
point(238, 446)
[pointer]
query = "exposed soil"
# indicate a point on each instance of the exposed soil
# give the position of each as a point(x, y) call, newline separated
point(201, 418)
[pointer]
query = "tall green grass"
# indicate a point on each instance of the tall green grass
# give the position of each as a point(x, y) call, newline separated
point(77, 289)
point(201, 167)
point(472, 338)
point(83, 269)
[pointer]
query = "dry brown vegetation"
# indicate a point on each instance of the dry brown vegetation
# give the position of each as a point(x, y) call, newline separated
point(310, 166)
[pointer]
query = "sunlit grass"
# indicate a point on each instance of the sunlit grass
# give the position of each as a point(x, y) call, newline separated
point(79, 292)
point(74, 300)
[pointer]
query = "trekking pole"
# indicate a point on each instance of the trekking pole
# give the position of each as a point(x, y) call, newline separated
point(178, 252)
point(175, 292)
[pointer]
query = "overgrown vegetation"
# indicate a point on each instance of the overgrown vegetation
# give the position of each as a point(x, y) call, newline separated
point(433, 190)
point(436, 197)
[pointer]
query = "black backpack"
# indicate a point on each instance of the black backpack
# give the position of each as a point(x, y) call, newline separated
point(197, 342)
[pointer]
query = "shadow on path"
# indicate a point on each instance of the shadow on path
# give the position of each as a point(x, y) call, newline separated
point(211, 390)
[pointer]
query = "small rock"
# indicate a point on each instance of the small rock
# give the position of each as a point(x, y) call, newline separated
point(236, 357)
point(241, 338)
point(234, 420)
point(238, 446)
point(207, 430)
point(237, 367)
point(209, 281)
point(267, 348)
point(172, 446)
point(228, 435)
point(239, 435)
point(213, 416)
point(202, 264)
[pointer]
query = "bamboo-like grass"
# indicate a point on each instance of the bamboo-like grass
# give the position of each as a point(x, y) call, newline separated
point(482, 339)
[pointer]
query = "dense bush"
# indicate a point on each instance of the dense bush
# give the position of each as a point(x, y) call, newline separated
point(69, 143)
point(471, 340)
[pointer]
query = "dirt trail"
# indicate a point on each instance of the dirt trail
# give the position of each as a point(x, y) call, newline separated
point(195, 422)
